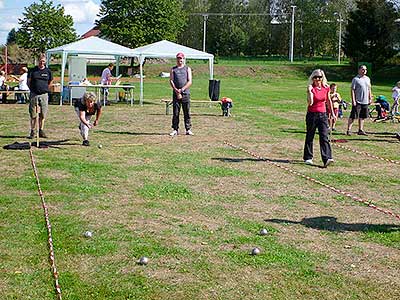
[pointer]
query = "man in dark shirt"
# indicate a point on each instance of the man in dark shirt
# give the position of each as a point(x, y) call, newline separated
point(180, 81)
point(39, 80)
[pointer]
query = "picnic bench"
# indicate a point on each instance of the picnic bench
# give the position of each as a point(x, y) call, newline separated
point(168, 103)
point(11, 96)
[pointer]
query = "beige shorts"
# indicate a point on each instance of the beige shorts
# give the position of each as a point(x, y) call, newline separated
point(42, 101)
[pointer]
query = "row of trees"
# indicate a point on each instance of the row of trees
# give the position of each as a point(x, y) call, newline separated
point(234, 27)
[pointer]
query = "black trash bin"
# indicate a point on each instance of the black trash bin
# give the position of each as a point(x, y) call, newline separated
point(213, 89)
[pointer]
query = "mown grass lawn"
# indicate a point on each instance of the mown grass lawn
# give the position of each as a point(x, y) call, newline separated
point(194, 206)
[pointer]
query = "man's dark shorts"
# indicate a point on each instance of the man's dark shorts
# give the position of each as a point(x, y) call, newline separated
point(359, 111)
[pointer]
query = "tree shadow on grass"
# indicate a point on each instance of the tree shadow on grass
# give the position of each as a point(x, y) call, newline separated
point(329, 223)
point(42, 144)
point(130, 133)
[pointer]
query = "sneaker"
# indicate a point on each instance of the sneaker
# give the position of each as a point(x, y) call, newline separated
point(189, 132)
point(85, 143)
point(31, 135)
point(348, 132)
point(361, 132)
point(42, 134)
point(328, 162)
point(174, 133)
point(308, 162)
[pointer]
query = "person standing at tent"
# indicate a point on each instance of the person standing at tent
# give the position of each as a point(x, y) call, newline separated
point(180, 81)
point(22, 84)
point(106, 79)
point(39, 80)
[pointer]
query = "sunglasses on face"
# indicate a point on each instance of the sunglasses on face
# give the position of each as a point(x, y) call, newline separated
point(317, 77)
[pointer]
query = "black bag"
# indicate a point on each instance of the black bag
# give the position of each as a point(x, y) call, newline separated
point(213, 89)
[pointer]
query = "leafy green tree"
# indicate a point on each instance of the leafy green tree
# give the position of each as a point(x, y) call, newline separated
point(134, 23)
point(371, 34)
point(11, 37)
point(45, 26)
point(227, 34)
point(192, 35)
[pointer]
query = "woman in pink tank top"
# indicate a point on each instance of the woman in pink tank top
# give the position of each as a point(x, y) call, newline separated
point(318, 98)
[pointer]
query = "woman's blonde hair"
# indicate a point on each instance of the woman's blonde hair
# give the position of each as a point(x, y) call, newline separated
point(89, 96)
point(318, 72)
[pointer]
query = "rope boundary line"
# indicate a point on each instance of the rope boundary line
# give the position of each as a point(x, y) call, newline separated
point(48, 225)
point(347, 194)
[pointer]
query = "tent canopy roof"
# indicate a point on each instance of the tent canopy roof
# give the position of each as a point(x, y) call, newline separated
point(93, 45)
point(167, 49)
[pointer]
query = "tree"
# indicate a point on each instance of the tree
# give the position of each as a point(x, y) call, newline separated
point(45, 26)
point(11, 37)
point(192, 34)
point(372, 32)
point(135, 23)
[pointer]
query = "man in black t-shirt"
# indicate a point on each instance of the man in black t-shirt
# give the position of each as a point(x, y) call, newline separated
point(39, 80)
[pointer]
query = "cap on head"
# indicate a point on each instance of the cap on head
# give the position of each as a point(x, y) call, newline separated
point(180, 55)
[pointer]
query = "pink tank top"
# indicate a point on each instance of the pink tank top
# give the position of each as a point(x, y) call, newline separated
point(320, 99)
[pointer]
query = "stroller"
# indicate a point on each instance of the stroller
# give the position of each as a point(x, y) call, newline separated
point(382, 108)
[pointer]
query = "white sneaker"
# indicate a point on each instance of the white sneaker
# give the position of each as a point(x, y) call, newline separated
point(189, 132)
point(174, 133)
point(308, 162)
point(329, 162)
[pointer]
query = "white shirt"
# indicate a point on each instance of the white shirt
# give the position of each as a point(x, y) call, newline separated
point(23, 82)
point(396, 92)
point(2, 80)
point(105, 76)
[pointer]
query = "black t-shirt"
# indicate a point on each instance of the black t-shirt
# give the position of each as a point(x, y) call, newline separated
point(82, 107)
point(39, 80)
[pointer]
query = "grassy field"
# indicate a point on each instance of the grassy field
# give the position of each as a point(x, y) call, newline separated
point(194, 206)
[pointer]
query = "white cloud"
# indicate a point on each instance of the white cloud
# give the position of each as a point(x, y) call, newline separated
point(1, 3)
point(81, 11)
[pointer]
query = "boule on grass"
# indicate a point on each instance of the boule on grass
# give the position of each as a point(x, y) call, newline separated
point(143, 261)
point(99, 146)
point(88, 234)
point(256, 251)
point(263, 231)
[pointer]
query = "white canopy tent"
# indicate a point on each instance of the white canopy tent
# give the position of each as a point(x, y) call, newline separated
point(90, 46)
point(166, 49)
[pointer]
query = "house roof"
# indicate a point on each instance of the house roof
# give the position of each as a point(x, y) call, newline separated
point(95, 31)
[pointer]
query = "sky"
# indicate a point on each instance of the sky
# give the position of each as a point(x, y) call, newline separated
point(82, 11)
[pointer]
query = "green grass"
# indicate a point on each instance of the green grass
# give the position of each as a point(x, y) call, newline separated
point(195, 206)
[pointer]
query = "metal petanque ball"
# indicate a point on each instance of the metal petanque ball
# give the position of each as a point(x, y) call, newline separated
point(143, 260)
point(255, 251)
point(88, 234)
point(99, 146)
point(263, 231)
